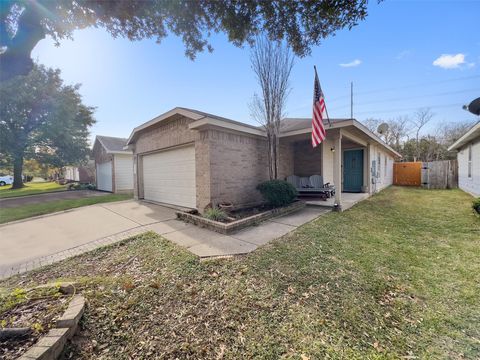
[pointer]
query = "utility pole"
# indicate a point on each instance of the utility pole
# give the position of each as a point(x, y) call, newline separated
point(351, 100)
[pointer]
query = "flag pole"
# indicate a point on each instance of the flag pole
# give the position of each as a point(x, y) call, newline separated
point(326, 110)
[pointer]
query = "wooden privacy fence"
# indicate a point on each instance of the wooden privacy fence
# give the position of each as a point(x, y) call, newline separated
point(407, 173)
point(441, 174)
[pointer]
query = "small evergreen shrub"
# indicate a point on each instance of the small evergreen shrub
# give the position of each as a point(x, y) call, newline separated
point(215, 214)
point(278, 192)
point(476, 205)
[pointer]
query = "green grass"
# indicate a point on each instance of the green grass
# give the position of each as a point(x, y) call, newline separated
point(396, 276)
point(26, 211)
point(30, 189)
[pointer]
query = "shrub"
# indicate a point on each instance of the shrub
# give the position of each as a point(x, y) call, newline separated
point(476, 205)
point(278, 192)
point(215, 214)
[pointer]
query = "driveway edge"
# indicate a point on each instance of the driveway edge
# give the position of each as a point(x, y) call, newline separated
point(60, 212)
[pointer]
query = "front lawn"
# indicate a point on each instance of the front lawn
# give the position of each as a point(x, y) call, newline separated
point(26, 211)
point(396, 276)
point(30, 189)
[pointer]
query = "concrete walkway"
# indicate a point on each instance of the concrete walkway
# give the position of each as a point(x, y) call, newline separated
point(29, 244)
point(47, 197)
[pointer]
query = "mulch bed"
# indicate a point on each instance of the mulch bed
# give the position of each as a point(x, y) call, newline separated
point(35, 309)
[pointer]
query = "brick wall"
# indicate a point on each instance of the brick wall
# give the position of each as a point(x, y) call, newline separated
point(238, 163)
point(202, 170)
point(167, 134)
point(100, 155)
point(307, 160)
point(286, 159)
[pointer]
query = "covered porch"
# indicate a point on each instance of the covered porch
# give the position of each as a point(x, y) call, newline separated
point(342, 160)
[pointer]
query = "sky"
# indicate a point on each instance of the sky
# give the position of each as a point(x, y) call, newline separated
point(404, 56)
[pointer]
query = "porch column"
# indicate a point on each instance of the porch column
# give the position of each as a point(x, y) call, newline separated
point(323, 148)
point(337, 170)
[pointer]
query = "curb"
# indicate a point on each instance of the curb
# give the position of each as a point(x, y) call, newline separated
point(51, 345)
point(23, 196)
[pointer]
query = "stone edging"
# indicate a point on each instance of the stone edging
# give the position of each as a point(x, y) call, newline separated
point(51, 345)
point(239, 224)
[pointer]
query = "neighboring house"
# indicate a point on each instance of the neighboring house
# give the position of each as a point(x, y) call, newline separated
point(113, 164)
point(468, 147)
point(193, 159)
point(82, 174)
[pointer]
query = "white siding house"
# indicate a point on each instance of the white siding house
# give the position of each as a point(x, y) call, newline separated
point(468, 148)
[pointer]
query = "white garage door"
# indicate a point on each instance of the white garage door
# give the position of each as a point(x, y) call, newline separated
point(104, 176)
point(123, 172)
point(169, 177)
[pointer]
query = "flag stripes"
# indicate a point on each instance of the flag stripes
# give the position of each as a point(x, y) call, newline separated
point(319, 114)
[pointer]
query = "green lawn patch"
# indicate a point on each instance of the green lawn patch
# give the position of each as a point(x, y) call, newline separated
point(396, 276)
point(26, 211)
point(30, 189)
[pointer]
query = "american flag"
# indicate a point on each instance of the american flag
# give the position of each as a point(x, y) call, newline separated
point(319, 113)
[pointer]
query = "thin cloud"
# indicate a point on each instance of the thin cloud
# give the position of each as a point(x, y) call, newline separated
point(450, 61)
point(403, 54)
point(353, 63)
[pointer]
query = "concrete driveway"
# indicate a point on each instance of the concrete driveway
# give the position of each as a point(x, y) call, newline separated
point(31, 243)
point(47, 197)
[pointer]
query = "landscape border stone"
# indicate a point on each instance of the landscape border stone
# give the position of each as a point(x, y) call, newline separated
point(51, 345)
point(228, 228)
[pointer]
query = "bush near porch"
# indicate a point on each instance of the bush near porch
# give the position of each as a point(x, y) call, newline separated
point(396, 276)
point(278, 193)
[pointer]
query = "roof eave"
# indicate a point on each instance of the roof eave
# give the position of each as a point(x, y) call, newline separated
point(118, 152)
point(226, 124)
point(470, 135)
point(164, 116)
point(345, 123)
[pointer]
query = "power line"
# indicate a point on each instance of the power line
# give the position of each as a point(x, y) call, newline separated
point(408, 98)
point(409, 109)
point(404, 87)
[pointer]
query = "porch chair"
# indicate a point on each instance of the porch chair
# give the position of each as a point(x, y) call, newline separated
point(316, 182)
point(294, 180)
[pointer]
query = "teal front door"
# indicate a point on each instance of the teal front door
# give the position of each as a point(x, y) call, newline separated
point(352, 170)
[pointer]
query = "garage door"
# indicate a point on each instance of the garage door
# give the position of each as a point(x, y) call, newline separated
point(104, 176)
point(123, 172)
point(169, 177)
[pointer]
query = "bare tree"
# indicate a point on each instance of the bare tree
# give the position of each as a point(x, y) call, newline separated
point(422, 117)
point(398, 131)
point(395, 133)
point(272, 62)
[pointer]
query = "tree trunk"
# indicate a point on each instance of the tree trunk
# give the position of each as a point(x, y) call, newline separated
point(276, 144)
point(17, 171)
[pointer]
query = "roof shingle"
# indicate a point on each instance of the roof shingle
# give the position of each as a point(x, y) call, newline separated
point(112, 143)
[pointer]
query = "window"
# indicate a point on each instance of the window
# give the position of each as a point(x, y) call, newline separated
point(470, 160)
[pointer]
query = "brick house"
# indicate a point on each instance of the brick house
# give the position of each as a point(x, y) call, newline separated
point(113, 164)
point(193, 159)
